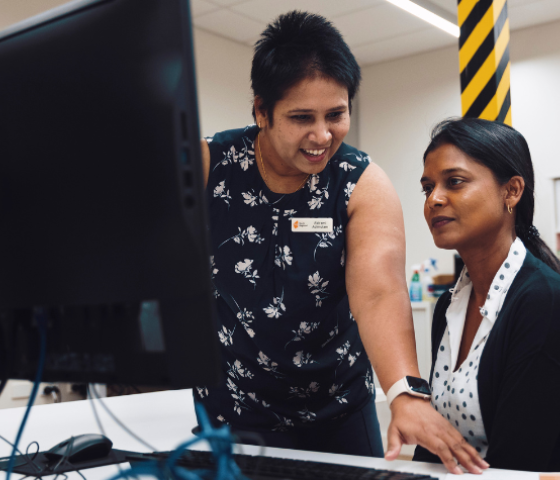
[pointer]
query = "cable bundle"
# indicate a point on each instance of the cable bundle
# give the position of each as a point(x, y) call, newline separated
point(219, 439)
point(221, 443)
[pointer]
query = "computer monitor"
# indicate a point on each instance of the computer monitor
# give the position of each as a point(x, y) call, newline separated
point(102, 210)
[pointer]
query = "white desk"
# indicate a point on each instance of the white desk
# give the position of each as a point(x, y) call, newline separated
point(165, 419)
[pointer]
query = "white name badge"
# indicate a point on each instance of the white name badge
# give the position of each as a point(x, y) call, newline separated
point(305, 225)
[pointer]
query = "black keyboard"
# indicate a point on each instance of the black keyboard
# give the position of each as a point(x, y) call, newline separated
point(268, 468)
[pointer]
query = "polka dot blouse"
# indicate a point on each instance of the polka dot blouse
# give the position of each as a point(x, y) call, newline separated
point(455, 387)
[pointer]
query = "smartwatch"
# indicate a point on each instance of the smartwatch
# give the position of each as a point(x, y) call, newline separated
point(417, 387)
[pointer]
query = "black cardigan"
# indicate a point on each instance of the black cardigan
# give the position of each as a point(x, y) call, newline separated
point(519, 373)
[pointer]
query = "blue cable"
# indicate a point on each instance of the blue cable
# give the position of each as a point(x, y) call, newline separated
point(41, 319)
point(220, 441)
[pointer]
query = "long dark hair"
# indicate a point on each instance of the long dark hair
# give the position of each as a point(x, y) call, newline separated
point(504, 151)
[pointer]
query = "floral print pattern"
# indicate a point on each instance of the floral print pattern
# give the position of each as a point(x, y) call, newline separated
point(246, 319)
point(252, 199)
point(245, 268)
point(213, 272)
point(283, 256)
point(326, 240)
point(290, 348)
point(275, 309)
point(268, 365)
point(302, 358)
point(338, 394)
point(226, 336)
point(348, 191)
point(305, 328)
point(250, 234)
point(320, 195)
point(318, 287)
point(304, 392)
point(238, 370)
point(220, 191)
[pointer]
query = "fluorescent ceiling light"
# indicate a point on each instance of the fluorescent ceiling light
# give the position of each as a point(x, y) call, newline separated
point(427, 16)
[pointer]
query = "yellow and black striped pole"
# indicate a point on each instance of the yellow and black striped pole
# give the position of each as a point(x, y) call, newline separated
point(484, 59)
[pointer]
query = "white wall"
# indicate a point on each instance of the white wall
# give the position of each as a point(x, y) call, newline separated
point(223, 70)
point(401, 100)
point(535, 98)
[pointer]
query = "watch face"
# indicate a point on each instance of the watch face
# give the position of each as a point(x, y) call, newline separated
point(419, 385)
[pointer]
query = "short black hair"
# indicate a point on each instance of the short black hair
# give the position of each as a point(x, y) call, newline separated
point(505, 152)
point(300, 45)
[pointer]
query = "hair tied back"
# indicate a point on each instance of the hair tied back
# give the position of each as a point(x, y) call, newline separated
point(529, 232)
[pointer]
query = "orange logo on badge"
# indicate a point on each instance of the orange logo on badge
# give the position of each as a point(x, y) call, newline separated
point(296, 224)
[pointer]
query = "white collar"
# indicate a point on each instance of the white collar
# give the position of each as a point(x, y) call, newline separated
point(503, 280)
point(457, 311)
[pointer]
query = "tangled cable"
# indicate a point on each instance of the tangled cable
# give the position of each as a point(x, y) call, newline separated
point(30, 460)
point(221, 443)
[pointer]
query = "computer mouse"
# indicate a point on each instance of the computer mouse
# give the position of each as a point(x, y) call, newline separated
point(81, 448)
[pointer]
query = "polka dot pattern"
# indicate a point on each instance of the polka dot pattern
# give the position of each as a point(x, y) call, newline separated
point(460, 405)
point(461, 402)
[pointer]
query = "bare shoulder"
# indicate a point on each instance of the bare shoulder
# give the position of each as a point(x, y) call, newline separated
point(375, 193)
point(205, 153)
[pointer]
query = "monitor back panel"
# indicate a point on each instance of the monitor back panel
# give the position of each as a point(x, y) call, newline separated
point(101, 192)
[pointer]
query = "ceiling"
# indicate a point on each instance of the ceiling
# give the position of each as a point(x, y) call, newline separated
point(376, 30)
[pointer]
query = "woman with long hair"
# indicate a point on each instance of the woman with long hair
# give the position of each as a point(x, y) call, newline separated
point(496, 335)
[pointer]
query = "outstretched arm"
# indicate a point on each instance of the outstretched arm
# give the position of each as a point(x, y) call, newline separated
point(377, 291)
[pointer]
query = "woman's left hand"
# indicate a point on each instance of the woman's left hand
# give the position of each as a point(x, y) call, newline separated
point(414, 421)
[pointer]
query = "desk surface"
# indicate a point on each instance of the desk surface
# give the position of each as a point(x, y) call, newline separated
point(164, 420)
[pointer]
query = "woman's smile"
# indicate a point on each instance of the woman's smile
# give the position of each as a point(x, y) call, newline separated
point(307, 128)
point(315, 155)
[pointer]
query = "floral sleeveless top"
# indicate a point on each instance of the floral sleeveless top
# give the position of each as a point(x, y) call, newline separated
point(291, 353)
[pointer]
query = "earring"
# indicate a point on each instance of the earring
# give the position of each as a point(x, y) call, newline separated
point(259, 124)
point(510, 210)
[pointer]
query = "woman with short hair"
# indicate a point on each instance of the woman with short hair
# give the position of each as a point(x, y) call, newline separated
point(308, 247)
point(496, 334)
